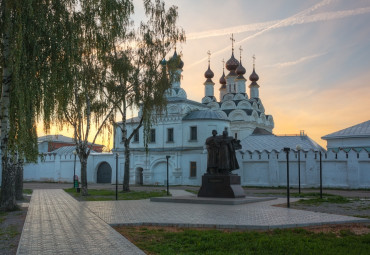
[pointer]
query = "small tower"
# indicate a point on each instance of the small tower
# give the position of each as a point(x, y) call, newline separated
point(223, 82)
point(240, 80)
point(209, 84)
point(176, 61)
point(231, 65)
point(254, 91)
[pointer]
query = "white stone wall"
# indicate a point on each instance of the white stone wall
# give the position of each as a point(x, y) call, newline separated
point(341, 170)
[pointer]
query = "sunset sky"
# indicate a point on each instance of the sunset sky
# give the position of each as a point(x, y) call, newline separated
point(312, 57)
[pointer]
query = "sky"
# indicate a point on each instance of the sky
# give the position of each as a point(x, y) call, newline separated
point(312, 57)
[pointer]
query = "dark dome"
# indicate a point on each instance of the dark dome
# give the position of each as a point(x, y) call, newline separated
point(254, 76)
point(176, 59)
point(223, 86)
point(222, 79)
point(232, 63)
point(209, 74)
point(240, 70)
point(163, 62)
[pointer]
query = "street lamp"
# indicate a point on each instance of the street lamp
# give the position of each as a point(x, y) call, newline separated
point(168, 193)
point(286, 149)
point(299, 147)
point(117, 154)
point(74, 171)
point(320, 174)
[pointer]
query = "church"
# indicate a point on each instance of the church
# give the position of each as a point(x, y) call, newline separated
point(180, 132)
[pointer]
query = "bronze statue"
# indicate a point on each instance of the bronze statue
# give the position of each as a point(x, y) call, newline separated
point(221, 153)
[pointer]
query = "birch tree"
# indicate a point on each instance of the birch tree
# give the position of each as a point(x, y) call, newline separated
point(138, 78)
point(94, 28)
point(31, 49)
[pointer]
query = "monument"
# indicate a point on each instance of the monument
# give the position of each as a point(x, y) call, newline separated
point(219, 181)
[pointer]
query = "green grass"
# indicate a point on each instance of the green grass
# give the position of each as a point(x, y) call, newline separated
point(327, 198)
point(8, 232)
point(106, 195)
point(2, 216)
point(27, 191)
point(192, 191)
point(296, 241)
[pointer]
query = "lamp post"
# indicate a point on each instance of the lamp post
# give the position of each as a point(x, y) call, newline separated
point(117, 154)
point(286, 149)
point(168, 193)
point(74, 170)
point(299, 147)
point(320, 174)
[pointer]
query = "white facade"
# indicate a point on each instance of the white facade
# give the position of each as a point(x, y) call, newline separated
point(180, 132)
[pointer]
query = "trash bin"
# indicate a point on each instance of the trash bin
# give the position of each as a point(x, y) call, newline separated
point(76, 182)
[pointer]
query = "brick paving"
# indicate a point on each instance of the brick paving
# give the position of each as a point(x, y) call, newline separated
point(58, 224)
point(260, 215)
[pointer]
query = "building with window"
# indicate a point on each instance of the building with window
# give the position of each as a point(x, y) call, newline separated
point(181, 130)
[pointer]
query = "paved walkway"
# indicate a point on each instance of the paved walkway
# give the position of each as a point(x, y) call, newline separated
point(58, 224)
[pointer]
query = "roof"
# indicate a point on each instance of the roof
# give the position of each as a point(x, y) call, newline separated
point(65, 150)
point(55, 138)
point(205, 115)
point(359, 130)
point(273, 142)
point(261, 131)
point(59, 139)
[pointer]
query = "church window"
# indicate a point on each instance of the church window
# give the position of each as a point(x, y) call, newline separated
point(169, 134)
point(152, 135)
point(136, 137)
point(193, 133)
point(193, 169)
point(236, 135)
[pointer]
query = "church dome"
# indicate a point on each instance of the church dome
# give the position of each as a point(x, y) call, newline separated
point(176, 60)
point(163, 62)
point(232, 63)
point(222, 79)
point(209, 74)
point(254, 76)
point(240, 70)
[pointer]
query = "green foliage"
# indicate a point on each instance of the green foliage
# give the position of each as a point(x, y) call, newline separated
point(295, 241)
point(107, 195)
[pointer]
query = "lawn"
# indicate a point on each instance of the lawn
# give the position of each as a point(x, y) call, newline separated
point(290, 241)
point(106, 195)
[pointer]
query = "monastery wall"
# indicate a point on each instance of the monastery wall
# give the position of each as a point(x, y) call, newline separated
point(265, 169)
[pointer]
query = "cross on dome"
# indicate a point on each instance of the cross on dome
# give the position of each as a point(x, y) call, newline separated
point(209, 57)
point(240, 50)
point(254, 60)
point(232, 42)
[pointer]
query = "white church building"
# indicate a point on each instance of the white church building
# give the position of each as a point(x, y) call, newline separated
point(181, 130)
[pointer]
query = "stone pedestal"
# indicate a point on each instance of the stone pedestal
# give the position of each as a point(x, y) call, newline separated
point(223, 186)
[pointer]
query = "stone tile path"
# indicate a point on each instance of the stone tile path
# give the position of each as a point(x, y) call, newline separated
point(58, 224)
point(260, 215)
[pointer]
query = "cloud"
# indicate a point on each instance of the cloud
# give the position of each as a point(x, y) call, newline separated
point(302, 17)
point(298, 61)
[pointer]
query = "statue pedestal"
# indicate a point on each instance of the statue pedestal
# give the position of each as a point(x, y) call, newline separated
point(223, 186)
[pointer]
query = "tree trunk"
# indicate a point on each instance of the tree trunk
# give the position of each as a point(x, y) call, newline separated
point(19, 180)
point(7, 200)
point(126, 176)
point(83, 160)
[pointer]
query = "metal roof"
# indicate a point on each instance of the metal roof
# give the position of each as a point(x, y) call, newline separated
point(359, 130)
point(55, 138)
point(273, 142)
point(65, 150)
point(205, 115)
